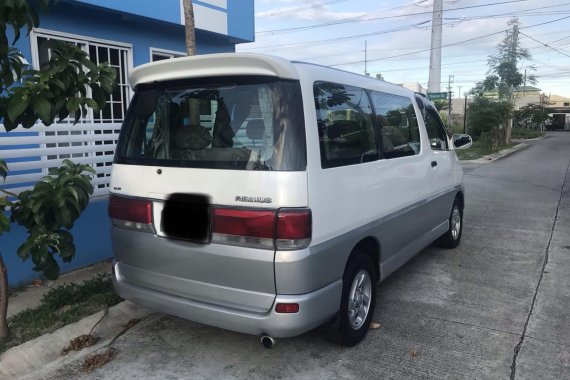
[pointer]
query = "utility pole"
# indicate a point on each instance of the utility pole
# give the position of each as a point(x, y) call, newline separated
point(514, 44)
point(366, 58)
point(465, 116)
point(189, 27)
point(449, 107)
point(524, 84)
point(459, 93)
point(434, 82)
point(190, 33)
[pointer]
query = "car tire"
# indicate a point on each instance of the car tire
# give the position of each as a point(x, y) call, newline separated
point(357, 303)
point(452, 237)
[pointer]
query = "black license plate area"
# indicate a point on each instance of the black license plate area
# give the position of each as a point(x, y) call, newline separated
point(187, 216)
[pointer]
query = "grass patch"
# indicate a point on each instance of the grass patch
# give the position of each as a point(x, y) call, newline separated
point(525, 133)
point(478, 150)
point(62, 305)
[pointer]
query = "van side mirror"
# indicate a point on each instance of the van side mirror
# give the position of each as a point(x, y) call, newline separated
point(461, 141)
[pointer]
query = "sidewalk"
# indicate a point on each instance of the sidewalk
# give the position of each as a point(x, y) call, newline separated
point(521, 144)
point(29, 296)
point(33, 357)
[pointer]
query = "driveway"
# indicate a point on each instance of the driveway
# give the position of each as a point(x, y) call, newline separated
point(497, 307)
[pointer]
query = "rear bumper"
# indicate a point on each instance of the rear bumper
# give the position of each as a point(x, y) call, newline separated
point(315, 308)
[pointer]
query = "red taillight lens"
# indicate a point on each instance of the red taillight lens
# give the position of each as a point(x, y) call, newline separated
point(286, 229)
point(131, 210)
point(293, 224)
point(293, 229)
point(287, 308)
point(252, 223)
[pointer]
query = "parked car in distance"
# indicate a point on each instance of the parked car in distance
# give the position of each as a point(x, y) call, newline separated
point(307, 187)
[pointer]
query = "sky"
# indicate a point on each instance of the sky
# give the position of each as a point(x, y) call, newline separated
point(397, 35)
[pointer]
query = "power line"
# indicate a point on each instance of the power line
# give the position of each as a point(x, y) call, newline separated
point(336, 39)
point(546, 45)
point(334, 22)
point(296, 9)
point(348, 20)
point(521, 12)
point(451, 44)
point(307, 44)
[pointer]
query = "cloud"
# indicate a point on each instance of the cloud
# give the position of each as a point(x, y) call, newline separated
point(315, 10)
point(456, 59)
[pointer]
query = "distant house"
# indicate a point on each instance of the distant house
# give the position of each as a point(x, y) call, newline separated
point(414, 86)
point(558, 101)
point(124, 33)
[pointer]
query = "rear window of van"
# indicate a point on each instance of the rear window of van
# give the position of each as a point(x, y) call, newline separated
point(240, 123)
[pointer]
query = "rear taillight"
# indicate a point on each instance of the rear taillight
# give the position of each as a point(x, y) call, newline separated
point(286, 229)
point(131, 213)
point(243, 227)
point(293, 229)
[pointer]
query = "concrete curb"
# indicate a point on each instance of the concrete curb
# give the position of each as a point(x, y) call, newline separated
point(496, 156)
point(34, 355)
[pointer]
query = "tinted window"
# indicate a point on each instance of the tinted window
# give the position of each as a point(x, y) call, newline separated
point(398, 125)
point(247, 123)
point(434, 126)
point(435, 129)
point(344, 118)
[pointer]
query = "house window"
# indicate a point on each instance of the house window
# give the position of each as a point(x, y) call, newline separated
point(566, 104)
point(161, 55)
point(110, 117)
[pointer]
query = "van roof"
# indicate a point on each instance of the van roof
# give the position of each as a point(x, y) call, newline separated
point(208, 65)
point(230, 64)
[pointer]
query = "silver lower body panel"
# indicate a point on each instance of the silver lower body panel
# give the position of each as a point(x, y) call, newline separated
point(315, 308)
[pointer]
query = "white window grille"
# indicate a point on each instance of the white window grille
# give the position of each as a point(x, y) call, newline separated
point(161, 54)
point(92, 140)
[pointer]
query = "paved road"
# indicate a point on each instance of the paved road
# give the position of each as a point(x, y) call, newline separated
point(498, 307)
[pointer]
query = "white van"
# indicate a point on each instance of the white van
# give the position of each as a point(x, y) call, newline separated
point(270, 197)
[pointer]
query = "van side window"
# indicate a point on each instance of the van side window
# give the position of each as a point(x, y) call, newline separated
point(344, 119)
point(435, 129)
point(398, 125)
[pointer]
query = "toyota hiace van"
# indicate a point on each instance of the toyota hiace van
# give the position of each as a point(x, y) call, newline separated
point(270, 197)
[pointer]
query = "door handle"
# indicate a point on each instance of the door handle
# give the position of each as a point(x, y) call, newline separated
point(433, 164)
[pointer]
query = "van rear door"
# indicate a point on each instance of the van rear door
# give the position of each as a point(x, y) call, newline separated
point(237, 146)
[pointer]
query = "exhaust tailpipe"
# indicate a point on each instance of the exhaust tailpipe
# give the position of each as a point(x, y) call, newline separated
point(268, 342)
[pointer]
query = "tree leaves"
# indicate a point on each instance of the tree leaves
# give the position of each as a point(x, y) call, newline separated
point(43, 108)
point(16, 106)
point(48, 211)
point(504, 75)
point(60, 88)
point(3, 169)
point(534, 114)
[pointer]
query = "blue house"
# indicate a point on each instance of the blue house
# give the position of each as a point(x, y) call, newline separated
point(124, 33)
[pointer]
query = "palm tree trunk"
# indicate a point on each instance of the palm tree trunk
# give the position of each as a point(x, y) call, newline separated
point(3, 299)
point(189, 27)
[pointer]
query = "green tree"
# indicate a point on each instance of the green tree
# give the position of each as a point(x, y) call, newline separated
point(65, 86)
point(505, 74)
point(532, 114)
point(484, 116)
point(441, 104)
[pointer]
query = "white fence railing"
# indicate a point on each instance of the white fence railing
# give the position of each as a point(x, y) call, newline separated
point(30, 157)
